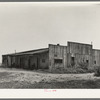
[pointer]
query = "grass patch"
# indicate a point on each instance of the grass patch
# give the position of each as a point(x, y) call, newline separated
point(73, 84)
point(71, 70)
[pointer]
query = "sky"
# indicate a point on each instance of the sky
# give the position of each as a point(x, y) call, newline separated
point(33, 25)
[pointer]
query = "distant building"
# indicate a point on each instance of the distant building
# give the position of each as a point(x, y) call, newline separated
point(55, 56)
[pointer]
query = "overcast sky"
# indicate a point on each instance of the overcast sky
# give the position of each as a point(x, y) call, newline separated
point(27, 26)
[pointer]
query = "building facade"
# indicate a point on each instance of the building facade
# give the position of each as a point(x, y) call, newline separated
point(55, 56)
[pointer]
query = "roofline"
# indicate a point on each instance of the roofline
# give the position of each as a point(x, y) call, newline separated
point(96, 49)
point(25, 51)
point(79, 43)
point(58, 45)
point(33, 50)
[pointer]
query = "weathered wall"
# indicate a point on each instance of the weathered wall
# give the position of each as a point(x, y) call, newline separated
point(5, 60)
point(36, 61)
point(57, 56)
point(79, 54)
point(44, 60)
point(33, 61)
point(8, 60)
point(96, 57)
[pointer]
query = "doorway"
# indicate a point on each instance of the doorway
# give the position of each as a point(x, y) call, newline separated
point(72, 61)
point(38, 63)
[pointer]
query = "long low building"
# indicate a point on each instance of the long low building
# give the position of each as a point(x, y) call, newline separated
point(55, 56)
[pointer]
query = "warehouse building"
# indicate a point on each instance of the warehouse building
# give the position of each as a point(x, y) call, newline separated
point(55, 56)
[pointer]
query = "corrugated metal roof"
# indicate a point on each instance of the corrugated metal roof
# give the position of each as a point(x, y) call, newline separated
point(30, 52)
point(33, 52)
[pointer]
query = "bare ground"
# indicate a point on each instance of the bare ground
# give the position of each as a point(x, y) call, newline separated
point(22, 79)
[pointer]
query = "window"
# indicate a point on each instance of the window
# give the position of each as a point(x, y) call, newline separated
point(94, 62)
point(55, 55)
point(43, 60)
point(87, 61)
point(72, 59)
point(58, 60)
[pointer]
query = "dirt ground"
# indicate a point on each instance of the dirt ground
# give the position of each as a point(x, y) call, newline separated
point(22, 79)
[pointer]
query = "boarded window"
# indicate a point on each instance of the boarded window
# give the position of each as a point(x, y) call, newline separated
point(58, 60)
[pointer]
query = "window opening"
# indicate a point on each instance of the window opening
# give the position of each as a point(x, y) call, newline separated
point(58, 60)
